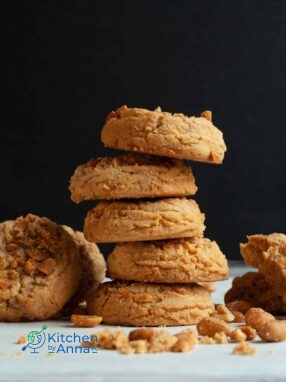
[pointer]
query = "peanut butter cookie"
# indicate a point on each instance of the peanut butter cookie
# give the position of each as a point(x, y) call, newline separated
point(131, 176)
point(126, 221)
point(253, 288)
point(172, 261)
point(164, 134)
point(139, 304)
point(268, 254)
point(93, 266)
point(40, 269)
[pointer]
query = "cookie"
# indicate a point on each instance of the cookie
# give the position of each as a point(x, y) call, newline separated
point(172, 261)
point(40, 269)
point(139, 304)
point(93, 266)
point(268, 254)
point(164, 134)
point(124, 221)
point(253, 288)
point(131, 176)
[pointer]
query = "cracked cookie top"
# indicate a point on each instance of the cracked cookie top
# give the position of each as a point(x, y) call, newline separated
point(165, 134)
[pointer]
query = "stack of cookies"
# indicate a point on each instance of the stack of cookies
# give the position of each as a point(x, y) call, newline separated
point(266, 288)
point(160, 254)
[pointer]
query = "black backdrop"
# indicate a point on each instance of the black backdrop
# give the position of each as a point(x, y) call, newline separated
point(70, 63)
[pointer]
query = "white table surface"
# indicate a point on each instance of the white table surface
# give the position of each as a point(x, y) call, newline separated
point(204, 363)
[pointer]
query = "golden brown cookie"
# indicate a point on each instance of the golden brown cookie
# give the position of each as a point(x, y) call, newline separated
point(268, 254)
point(131, 176)
point(93, 266)
point(124, 221)
point(253, 288)
point(172, 261)
point(39, 269)
point(139, 304)
point(164, 134)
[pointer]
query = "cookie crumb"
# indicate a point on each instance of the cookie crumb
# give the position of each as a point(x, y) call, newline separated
point(108, 340)
point(223, 313)
point(206, 340)
point(244, 348)
point(220, 338)
point(237, 335)
point(18, 354)
point(162, 342)
point(84, 321)
point(137, 346)
point(186, 341)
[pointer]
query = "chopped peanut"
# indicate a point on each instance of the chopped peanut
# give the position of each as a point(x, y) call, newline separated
point(209, 326)
point(207, 114)
point(273, 331)
point(82, 321)
point(142, 334)
point(21, 340)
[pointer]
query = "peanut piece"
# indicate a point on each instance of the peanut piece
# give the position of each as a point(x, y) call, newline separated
point(48, 266)
point(182, 346)
point(209, 326)
point(207, 114)
point(21, 340)
point(273, 331)
point(142, 334)
point(82, 321)
point(256, 317)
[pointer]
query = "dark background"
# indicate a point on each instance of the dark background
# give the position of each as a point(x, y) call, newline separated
point(70, 63)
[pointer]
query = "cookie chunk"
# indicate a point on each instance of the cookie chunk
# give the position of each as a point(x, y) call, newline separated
point(40, 269)
point(172, 261)
point(139, 304)
point(93, 266)
point(131, 176)
point(253, 288)
point(164, 134)
point(268, 254)
point(126, 221)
